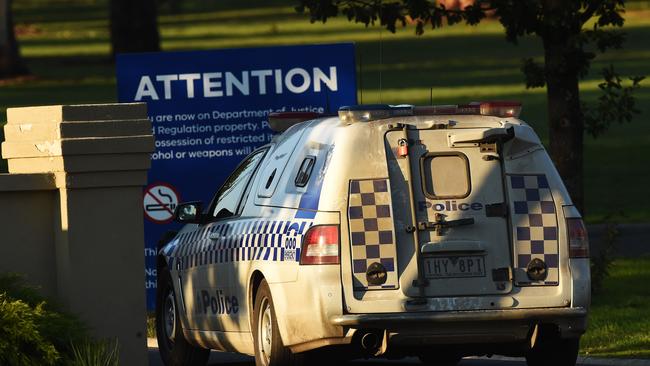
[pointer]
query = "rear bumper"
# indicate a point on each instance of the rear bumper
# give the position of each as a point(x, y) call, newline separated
point(466, 327)
point(399, 320)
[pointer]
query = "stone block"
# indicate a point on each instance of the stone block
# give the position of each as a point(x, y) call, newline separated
point(81, 163)
point(27, 182)
point(56, 131)
point(76, 113)
point(101, 179)
point(78, 146)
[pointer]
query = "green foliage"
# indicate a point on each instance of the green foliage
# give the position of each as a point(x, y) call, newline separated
point(99, 353)
point(66, 46)
point(151, 325)
point(602, 262)
point(616, 104)
point(20, 331)
point(558, 24)
point(36, 331)
point(619, 318)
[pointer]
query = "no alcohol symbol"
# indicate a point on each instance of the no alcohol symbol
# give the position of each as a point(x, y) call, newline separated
point(160, 201)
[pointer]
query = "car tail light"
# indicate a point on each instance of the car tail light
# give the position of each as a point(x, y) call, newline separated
point(578, 240)
point(320, 245)
point(499, 108)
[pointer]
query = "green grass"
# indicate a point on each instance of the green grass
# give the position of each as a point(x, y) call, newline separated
point(66, 45)
point(620, 315)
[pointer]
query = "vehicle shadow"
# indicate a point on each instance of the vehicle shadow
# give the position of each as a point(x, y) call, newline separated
point(233, 359)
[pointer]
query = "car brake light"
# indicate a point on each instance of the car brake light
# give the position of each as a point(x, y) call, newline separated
point(499, 108)
point(578, 239)
point(320, 245)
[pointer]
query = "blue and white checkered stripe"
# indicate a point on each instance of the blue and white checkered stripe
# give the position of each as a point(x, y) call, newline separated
point(235, 241)
point(534, 222)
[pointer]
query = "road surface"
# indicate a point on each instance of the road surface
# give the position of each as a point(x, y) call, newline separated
point(230, 359)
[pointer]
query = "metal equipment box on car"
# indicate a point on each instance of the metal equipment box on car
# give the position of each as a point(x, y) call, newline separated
point(386, 231)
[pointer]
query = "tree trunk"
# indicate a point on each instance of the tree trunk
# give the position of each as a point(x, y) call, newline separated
point(566, 122)
point(11, 64)
point(134, 26)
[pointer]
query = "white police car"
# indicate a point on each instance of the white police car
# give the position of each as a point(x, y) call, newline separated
point(386, 231)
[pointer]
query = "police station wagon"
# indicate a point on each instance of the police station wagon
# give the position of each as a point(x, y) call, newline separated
point(386, 231)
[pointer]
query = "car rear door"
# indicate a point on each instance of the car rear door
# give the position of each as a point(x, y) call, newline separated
point(457, 242)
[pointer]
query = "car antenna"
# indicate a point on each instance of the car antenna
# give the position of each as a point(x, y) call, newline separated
point(431, 95)
point(360, 79)
point(381, 61)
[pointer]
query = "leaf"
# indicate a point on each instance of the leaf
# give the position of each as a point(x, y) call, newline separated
point(616, 104)
point(534, 73)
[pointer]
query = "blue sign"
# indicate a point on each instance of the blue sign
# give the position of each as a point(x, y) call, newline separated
point(209, 110)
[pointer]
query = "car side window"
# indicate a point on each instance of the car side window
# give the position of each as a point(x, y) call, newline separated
point(227, 200)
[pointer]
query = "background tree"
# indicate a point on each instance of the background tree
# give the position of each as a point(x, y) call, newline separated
point(134, 26)
point(571, 32)
point(11, 64)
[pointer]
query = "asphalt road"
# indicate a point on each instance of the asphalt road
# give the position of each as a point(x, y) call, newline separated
point(231, 359)
point(631, 241)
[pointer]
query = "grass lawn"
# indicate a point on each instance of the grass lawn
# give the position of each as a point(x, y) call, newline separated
point(620, 315)
point(66, 45)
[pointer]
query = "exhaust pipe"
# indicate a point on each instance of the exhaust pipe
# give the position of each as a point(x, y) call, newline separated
point(370, 342)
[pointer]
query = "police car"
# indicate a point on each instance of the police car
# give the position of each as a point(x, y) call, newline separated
point(386, 231)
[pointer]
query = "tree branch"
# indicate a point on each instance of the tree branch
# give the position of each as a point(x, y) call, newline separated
point(590, 10)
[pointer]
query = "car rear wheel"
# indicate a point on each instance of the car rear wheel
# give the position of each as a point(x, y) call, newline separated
point(269, 350)
point(553, 350)
point(173, 347)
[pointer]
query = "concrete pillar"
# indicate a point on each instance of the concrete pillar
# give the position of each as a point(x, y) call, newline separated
point(99, 156)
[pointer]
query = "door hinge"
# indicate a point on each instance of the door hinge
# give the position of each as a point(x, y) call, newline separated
point(496, 210)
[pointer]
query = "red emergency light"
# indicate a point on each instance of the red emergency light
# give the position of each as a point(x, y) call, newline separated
point(367, 113)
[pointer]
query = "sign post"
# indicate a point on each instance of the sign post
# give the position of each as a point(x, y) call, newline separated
point(209, 110)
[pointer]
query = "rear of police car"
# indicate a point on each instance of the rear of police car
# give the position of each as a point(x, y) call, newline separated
point(458, 236)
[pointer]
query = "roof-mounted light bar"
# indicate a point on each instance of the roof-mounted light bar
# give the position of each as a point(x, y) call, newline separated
point(281, 121)
point(503, 108)
point(373, 112)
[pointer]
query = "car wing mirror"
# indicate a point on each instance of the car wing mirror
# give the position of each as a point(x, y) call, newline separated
point(189, 213)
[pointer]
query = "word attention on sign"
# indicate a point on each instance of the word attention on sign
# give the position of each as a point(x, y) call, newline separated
point(296, 80)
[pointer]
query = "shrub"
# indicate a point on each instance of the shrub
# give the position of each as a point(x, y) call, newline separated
point(602, 262)
point(100, 353)
point(34, 331)
point(23, 343)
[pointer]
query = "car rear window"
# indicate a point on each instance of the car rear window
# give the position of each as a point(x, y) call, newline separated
point(445, 175)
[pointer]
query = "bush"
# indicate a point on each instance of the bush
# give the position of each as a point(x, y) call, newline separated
point(602, 262)
point(101, 353)
point(34, 331)
point(20, 329)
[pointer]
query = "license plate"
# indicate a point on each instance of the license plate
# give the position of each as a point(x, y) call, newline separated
point(454, 266)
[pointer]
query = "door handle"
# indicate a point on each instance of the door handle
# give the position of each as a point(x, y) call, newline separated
point(441, 224)
point(215, 236)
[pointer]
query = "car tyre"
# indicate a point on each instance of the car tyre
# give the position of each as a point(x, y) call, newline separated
point(554, 351)
point(174, 349)
point(269, 350)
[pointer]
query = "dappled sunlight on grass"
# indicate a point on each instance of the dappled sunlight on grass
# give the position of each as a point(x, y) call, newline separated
point(66, 43)
point(620, 316)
